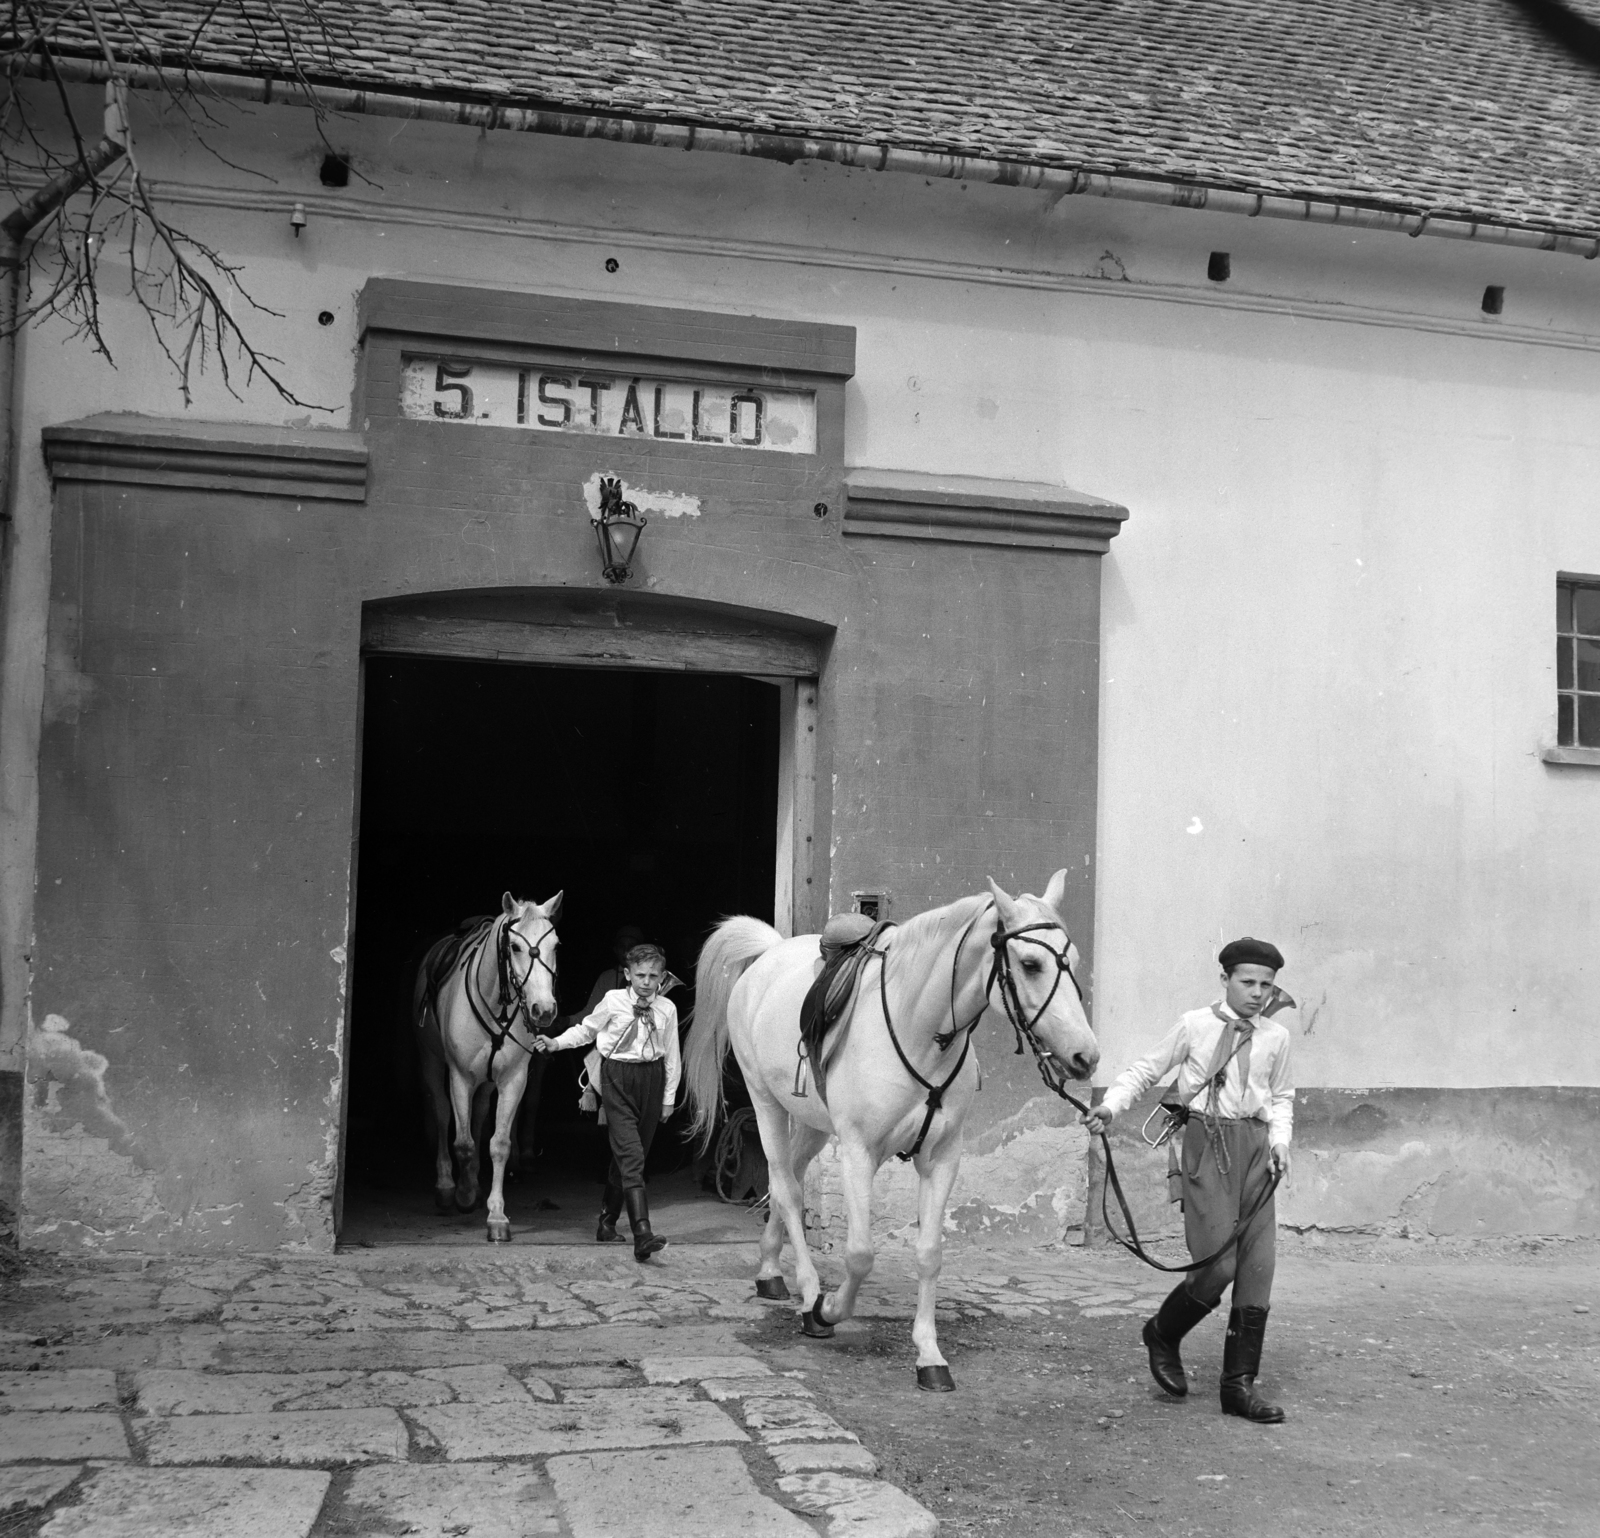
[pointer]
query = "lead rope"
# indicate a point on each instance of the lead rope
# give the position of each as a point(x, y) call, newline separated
point(1131, 1243)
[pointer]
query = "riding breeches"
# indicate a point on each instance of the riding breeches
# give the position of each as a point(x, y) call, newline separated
point(631, 1094)
point(1216, 1194)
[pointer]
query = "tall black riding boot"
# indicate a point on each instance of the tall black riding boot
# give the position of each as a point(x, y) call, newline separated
point(1241, 1361)
point(610, 1211)
point(1178, 1314)
point(645, 1243)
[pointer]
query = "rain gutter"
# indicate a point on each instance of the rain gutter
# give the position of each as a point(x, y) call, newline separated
point(790, 148)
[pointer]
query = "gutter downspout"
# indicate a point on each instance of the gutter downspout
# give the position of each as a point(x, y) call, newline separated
point(1064, 181)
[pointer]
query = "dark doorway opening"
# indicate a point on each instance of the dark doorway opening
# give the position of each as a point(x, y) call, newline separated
point(649, 798)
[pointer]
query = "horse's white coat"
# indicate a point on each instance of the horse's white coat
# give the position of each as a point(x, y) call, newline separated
point(750, 983)
point(458, 1055)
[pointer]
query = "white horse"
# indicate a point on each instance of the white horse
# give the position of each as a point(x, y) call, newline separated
point(900, 1073)
point(479, 999)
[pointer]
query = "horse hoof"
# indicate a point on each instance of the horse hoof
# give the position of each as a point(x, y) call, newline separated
point(468, 1205)
point(772, 1288)
point(813, 1324)
point(936, 1380)
point(499, 1233)
point(444, 1201)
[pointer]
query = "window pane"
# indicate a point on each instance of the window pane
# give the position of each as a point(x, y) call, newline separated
point(1564, 607)
point(1564, 646)
point(1588, 720)
point(1586, 607)
point(1588, 664)
point(1564, 728)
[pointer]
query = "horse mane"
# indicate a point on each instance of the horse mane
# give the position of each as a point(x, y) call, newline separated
point(924, 935)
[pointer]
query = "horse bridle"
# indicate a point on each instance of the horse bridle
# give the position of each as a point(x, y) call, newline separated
point(512, 1003)
point(1010, 996)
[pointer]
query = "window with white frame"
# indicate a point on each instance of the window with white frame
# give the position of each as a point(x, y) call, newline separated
point(1578, 661)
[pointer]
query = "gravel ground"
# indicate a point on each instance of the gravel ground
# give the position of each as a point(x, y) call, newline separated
point(1428, 1392)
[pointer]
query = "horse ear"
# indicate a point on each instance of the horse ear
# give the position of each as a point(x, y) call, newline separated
point(1005, 903)
point(508, 903)
point(1056, 891)
point(552, 909)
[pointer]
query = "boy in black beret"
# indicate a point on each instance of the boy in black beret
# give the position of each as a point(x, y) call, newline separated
point(1233, 1068)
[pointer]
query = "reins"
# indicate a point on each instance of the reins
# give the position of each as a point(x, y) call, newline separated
point(511, 1003)
point(1010, 997)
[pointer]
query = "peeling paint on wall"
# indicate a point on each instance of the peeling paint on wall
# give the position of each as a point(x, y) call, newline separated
point(83, 1186)
point(665, 504)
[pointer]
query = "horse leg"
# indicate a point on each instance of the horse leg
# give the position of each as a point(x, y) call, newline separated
point(505, 1121)
point(805, 1143)
point(466, 1143)
point(525, 1134)
point(786, 1196)
point(858, 1169)
point(938, 1175)
point(437, 1086)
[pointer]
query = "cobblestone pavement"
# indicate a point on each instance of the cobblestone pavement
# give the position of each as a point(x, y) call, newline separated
point(469, 1392)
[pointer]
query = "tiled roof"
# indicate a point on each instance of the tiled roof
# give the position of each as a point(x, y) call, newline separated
point(1451, 107)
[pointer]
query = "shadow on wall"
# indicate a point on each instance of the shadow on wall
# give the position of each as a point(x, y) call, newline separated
point(1410, 1163)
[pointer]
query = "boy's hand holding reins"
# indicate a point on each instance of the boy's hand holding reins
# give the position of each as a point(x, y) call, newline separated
point(1280, 1160)
point(1098, 1119)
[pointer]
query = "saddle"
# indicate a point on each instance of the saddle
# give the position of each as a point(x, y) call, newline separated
point(847, 941)
point(444, 963)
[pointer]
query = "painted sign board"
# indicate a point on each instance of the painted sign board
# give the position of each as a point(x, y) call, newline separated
point(560, 399)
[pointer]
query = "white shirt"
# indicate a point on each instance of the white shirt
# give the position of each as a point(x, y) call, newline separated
point(1191, 1047)
point(612, 1029)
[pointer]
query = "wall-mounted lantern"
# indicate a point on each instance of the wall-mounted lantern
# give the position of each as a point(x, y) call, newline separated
point(617, 527)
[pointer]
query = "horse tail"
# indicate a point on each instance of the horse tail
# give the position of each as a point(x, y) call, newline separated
point(728, 951)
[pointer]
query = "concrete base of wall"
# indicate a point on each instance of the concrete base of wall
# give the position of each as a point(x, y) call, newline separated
point(1409, 1163)
point(11, 1082)
point(1398, 1163)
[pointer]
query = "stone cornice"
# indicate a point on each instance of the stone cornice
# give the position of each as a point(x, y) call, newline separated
point(320, 464)
point(974, 510)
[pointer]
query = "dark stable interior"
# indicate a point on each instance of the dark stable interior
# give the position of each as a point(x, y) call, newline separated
point(649, 798)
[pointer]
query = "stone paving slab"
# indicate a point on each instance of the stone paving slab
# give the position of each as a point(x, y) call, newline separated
point(790, 1420)
point(78, 1388)
point(860, 1508)
point(287, 1436)
point(404, 1350)
point(449, 1500)
point(525, 1431)
point(690, 1369)
point(52, 1436)
point(810, 1457)
point(699, 1492)
point(34, 1485)
point(167, 1391)
point(193, 1503)
point(721, 1389)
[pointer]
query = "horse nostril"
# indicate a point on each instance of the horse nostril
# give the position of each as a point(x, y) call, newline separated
point(1083, 1064)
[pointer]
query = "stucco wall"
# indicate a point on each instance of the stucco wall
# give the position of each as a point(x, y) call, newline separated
point(1327, 668)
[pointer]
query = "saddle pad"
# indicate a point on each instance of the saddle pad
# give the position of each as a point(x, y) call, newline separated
point(845, 948)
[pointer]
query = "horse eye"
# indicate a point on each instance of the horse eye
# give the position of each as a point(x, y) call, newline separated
point(1030, 966)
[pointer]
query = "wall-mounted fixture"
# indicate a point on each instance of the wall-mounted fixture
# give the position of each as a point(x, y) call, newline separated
point(1494, 299)
point(617, 528)
point(871, 905)
point(1220, 268)
point(297, 219)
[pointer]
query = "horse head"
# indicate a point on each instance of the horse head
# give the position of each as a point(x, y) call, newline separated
point(530, 953)
point(1043, 965)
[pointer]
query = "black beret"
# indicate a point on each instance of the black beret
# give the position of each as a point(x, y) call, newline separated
point(1249, 952)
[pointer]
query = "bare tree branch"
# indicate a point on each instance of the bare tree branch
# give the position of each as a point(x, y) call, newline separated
point(187, 289)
